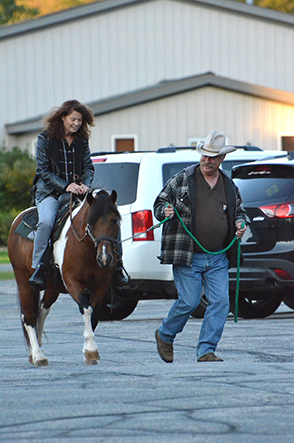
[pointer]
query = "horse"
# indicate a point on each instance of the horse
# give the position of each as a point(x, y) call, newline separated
point(86, 255)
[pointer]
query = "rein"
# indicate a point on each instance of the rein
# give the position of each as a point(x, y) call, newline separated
point(75, 232)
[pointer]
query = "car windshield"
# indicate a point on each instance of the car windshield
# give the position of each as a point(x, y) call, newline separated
point(122, 177)
point(272, 183)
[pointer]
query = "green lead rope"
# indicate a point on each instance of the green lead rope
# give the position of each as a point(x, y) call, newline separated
point(215, 253)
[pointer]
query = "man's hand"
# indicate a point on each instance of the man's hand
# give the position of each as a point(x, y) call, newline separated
point(169, 211)
point(240, 231)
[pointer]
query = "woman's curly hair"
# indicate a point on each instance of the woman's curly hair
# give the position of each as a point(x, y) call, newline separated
point(53, 124)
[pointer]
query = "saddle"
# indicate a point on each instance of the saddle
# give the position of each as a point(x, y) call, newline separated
point(30, 219)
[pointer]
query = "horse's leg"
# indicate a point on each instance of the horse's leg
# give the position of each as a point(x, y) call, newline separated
point(43, 313)
point(29, 301)
point(36, 356)
point(50, 297)
point(90, 350)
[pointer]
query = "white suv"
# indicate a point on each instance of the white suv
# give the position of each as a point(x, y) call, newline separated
point(138, 177)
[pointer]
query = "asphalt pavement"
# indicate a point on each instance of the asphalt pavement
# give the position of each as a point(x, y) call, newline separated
point(132, 396)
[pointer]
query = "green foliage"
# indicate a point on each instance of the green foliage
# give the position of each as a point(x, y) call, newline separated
point(10, 12)
point(279, 5)
point(17, 171)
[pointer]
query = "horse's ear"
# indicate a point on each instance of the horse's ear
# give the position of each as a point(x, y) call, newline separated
point(113, 196)
point(90, 198)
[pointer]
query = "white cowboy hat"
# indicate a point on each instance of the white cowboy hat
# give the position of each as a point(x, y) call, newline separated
point(214, 144)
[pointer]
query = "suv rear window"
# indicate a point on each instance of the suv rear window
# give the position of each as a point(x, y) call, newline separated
point(272, 183)
point(122, 177)
point(170, 169)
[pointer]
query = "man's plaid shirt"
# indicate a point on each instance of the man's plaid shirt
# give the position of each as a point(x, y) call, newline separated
point(177, 245)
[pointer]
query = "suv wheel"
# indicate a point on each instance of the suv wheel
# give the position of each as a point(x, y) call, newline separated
point(288, 298)
point(255, 304)
point(122, 306)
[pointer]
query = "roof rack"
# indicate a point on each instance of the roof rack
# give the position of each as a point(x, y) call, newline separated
point(248, 148)
point(174, 148)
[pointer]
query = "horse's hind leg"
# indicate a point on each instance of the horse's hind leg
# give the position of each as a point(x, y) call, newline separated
point(29, 323)
point(29, 300)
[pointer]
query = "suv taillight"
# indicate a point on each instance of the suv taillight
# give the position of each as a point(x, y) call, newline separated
point(141, 221)
point(281, 210)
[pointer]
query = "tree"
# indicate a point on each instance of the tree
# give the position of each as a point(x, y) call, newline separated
point(17, 171)
point(10, 12)
point(279, 5)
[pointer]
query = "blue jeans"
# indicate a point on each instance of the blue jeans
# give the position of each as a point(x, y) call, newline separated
point(211, 271)
point(47, 211)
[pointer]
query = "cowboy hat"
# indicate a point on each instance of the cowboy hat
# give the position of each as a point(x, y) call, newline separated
point(214, 144)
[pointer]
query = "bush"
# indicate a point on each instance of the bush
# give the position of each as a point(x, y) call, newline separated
point(17, 171)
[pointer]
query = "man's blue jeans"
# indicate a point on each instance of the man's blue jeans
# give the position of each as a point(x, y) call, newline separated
point(212, 272)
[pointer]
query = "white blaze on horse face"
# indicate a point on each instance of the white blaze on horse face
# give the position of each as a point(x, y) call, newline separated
point(59, 245)
point(104, 255)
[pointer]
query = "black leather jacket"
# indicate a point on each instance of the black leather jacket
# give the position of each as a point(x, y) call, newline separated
point(48, 180)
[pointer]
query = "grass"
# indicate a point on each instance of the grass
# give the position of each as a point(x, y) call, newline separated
point(9, 275)
point(4, 259)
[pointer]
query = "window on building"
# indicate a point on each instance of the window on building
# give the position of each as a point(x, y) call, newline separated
point(122, 143)
point(288, 143)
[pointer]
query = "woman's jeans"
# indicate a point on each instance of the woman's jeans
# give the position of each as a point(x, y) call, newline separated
point(211, 271)
point(47, 210)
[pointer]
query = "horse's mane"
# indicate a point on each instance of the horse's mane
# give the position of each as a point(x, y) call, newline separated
point(101, 207)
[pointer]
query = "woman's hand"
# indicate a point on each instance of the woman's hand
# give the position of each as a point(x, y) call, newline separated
point(77, 189)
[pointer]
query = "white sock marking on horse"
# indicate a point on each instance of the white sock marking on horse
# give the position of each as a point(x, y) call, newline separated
point(37, 354)
point(43, 313)
point(89, 343)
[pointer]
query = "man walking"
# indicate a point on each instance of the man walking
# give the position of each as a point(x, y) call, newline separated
point(211, 208)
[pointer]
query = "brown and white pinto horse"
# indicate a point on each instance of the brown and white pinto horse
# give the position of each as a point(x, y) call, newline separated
point(86, 256)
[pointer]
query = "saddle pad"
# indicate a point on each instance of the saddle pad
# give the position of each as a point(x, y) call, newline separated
point(30, 220)
point(28, 224)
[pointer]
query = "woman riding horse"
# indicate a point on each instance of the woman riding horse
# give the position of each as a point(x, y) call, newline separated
point(63, 165)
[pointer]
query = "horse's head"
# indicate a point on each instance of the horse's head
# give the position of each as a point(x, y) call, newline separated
point(103, 226)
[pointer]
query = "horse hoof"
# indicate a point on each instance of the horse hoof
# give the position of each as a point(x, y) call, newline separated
point(91, 357)
point(42, 362)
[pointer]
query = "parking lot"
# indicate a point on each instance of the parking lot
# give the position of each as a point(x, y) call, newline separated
point(132, 395)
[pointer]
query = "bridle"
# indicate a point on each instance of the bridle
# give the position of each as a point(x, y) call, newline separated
point(97, 240)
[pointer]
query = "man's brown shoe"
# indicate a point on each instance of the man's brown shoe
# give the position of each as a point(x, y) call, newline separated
point(164, 349)
point(209, 357)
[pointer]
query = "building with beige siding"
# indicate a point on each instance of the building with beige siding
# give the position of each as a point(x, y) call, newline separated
point(156, 72)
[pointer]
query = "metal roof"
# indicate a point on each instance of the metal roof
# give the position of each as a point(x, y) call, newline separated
point(99, 7)
point(162, 90)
